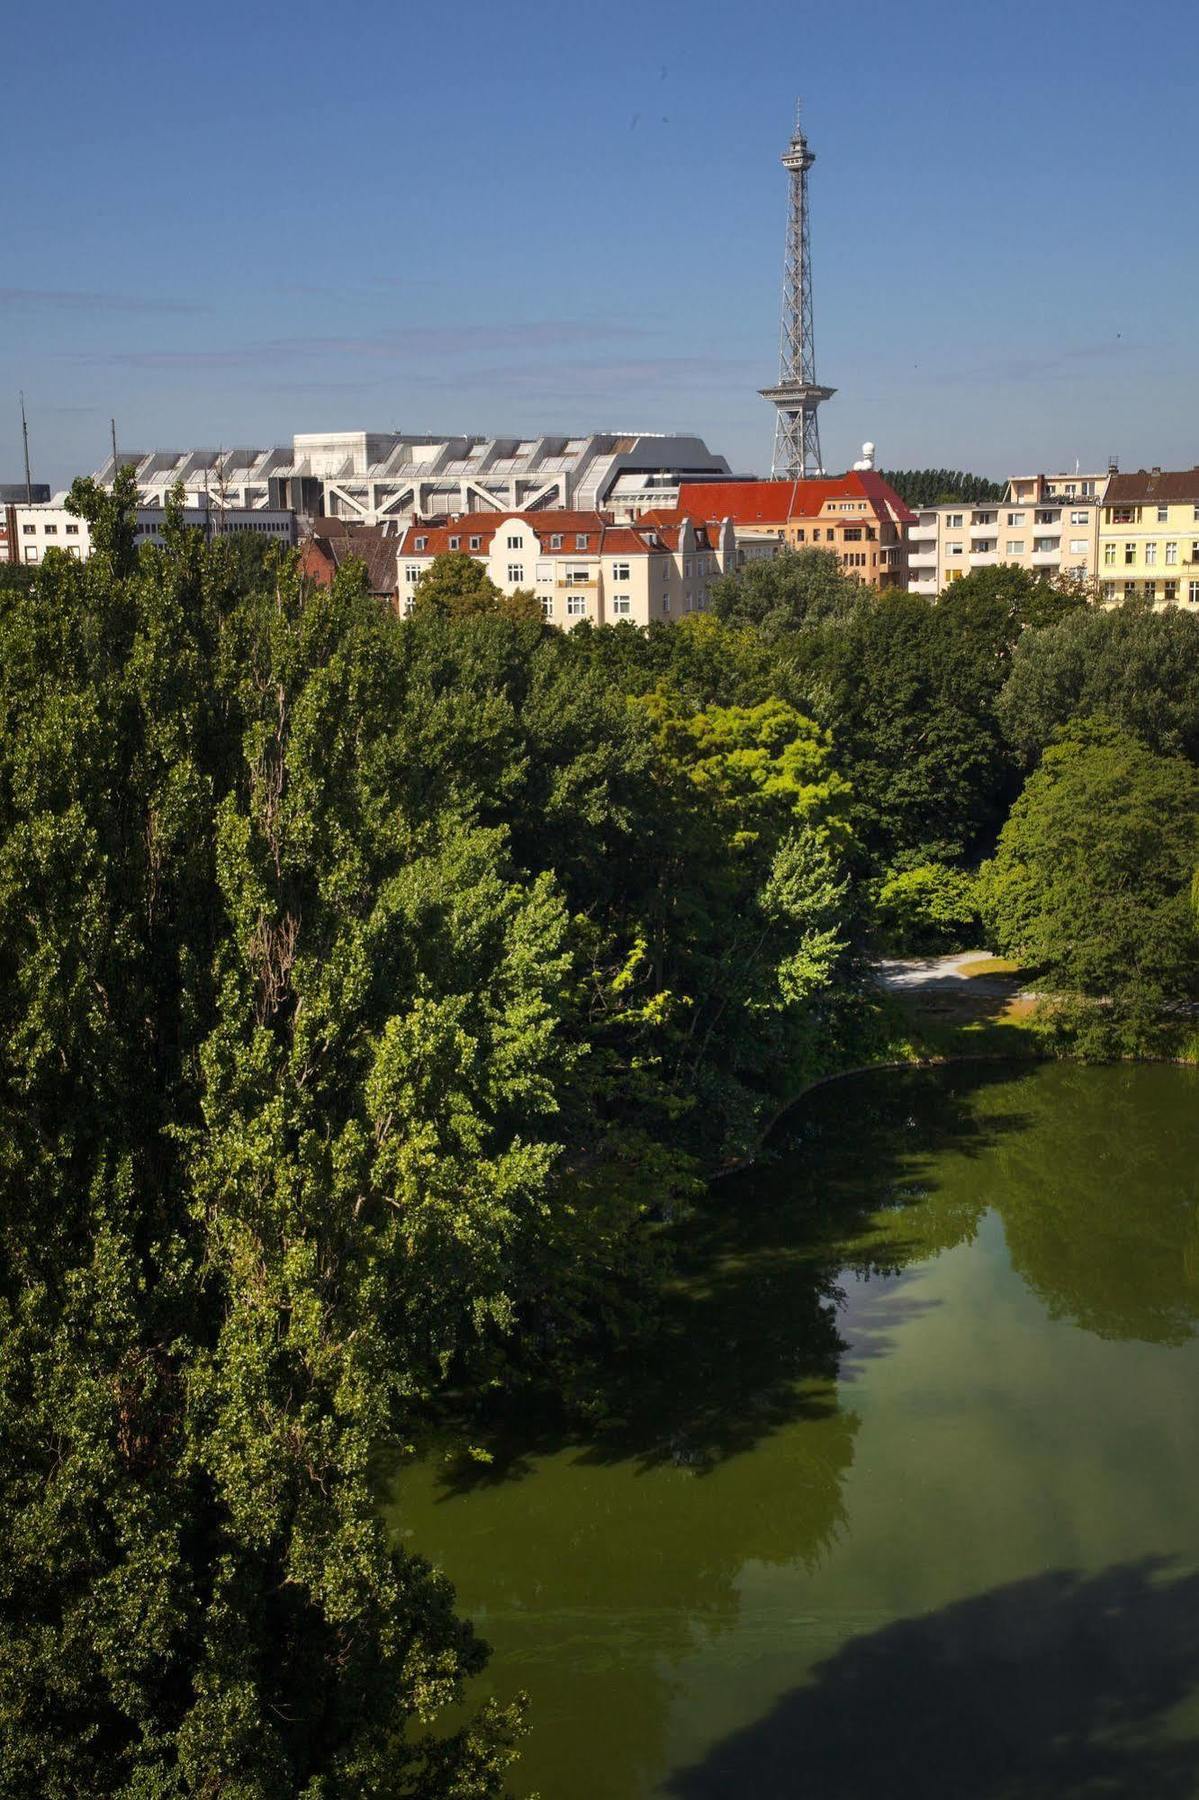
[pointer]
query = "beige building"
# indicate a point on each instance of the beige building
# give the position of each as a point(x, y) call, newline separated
point(1046, 523)
point(1149, 538)
point(581, 565)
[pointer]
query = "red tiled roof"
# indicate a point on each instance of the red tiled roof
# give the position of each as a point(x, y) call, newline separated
point(777, 502)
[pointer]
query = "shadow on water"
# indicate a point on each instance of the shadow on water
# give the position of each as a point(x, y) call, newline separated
point(1057, 1687)
point(745, 1341)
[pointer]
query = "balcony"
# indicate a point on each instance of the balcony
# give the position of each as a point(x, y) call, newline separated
point(922, 534)
point(922, 559)
point(922, 584)
point(1047, 559)
point(984, 531)
point(983, 559)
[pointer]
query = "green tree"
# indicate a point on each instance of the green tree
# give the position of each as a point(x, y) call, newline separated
point(928, 907)
point(458, 586)
point(237, 1022)
point(1136, 667)
point(929, 487)
point(1090, 887)
point(783, 592)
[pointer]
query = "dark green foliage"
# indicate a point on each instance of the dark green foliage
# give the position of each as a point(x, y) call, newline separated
point(1131, 665)
point(1091, 887)
point(367, 989)
point(928, 487)
point(794, 588)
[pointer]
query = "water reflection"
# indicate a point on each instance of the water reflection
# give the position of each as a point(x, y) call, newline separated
point(822, 1339)
point(1059, 1687)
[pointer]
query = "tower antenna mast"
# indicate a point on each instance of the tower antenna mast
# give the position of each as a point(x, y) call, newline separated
point(798, 394)
point(25, 441)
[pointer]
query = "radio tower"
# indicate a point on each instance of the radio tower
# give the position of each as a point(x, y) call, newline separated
point(798, 394)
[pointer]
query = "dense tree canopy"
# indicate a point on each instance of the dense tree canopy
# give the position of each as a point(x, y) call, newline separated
point(1091, 886)
point(927, 487)
point(369, 989)
point(1131, 665)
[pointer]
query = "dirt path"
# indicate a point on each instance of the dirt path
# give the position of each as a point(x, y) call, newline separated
point(930, 975)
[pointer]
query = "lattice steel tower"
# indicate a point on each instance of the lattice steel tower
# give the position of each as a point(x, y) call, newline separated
point(798, 394)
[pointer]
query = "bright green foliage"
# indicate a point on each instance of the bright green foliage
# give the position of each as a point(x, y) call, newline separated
point(794, 588)
point(927, 908)
point(1091, 887)
point(1136, 667)
point(457, 586)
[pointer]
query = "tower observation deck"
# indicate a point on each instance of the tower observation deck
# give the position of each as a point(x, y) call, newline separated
point(797, 394)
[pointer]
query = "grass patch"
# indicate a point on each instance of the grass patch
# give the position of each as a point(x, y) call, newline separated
point(989, 965)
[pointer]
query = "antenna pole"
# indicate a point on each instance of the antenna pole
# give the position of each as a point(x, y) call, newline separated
point(112, 424)
point(25, 440)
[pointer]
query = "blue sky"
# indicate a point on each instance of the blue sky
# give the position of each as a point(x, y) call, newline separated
point(228, 223)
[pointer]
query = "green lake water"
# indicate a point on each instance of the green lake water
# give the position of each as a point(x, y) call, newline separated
point(902, 1499)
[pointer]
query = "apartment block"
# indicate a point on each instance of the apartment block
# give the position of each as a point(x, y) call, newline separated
point(34, 530)
point(1149, 538)
point(581, 565)
point(1048, 524)
point(856, 516)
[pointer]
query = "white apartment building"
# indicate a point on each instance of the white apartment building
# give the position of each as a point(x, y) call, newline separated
point(1046, 523)
point(33, 530)
point(581, 565)
point(388, 478)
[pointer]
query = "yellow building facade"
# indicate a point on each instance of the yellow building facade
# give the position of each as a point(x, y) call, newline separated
point(1149, 538)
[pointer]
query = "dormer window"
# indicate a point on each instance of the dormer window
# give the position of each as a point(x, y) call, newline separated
point(581, 540)
point(556, 540)
point(455, 543)
point(476, 543)
point(419, 543)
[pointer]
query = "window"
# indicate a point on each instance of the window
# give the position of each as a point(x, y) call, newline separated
point(1130, 553)
point(1193, 592)
point(954, 521)
point(853, 534)
point(455, 543)
point(420, 543)
point(411, 572)
point(1195, 511)
point(1015, 518)
point(666, 601)
point(1169, 590)
point(1015, 546)
point(1150, 590)
point(545, 571)
point(516, 572)
point(953, 549)
point(516, 543)
point(31, 554)
point(581, 540)
point(986, 546)
point(1171, 554)
point(1048, 517)
point(1109, 554)
point(547, 606)
point(1079, 518)
point(476, 543)
point(1046, 546)
point(556, 540)
point(407, 609)
point(799, 536)
point(1130, 590)
point(1163, 514)
point(1122, 515)
point(50, 530)
point(1150, 553)
point(1108, 590)
point(622, 606)
point(1195, 553)
point(576, 574)
point(620, 571)
point(71, 530)
point(1078, 546)
point(28, 530)
point(576, 605)
point(983, 518)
